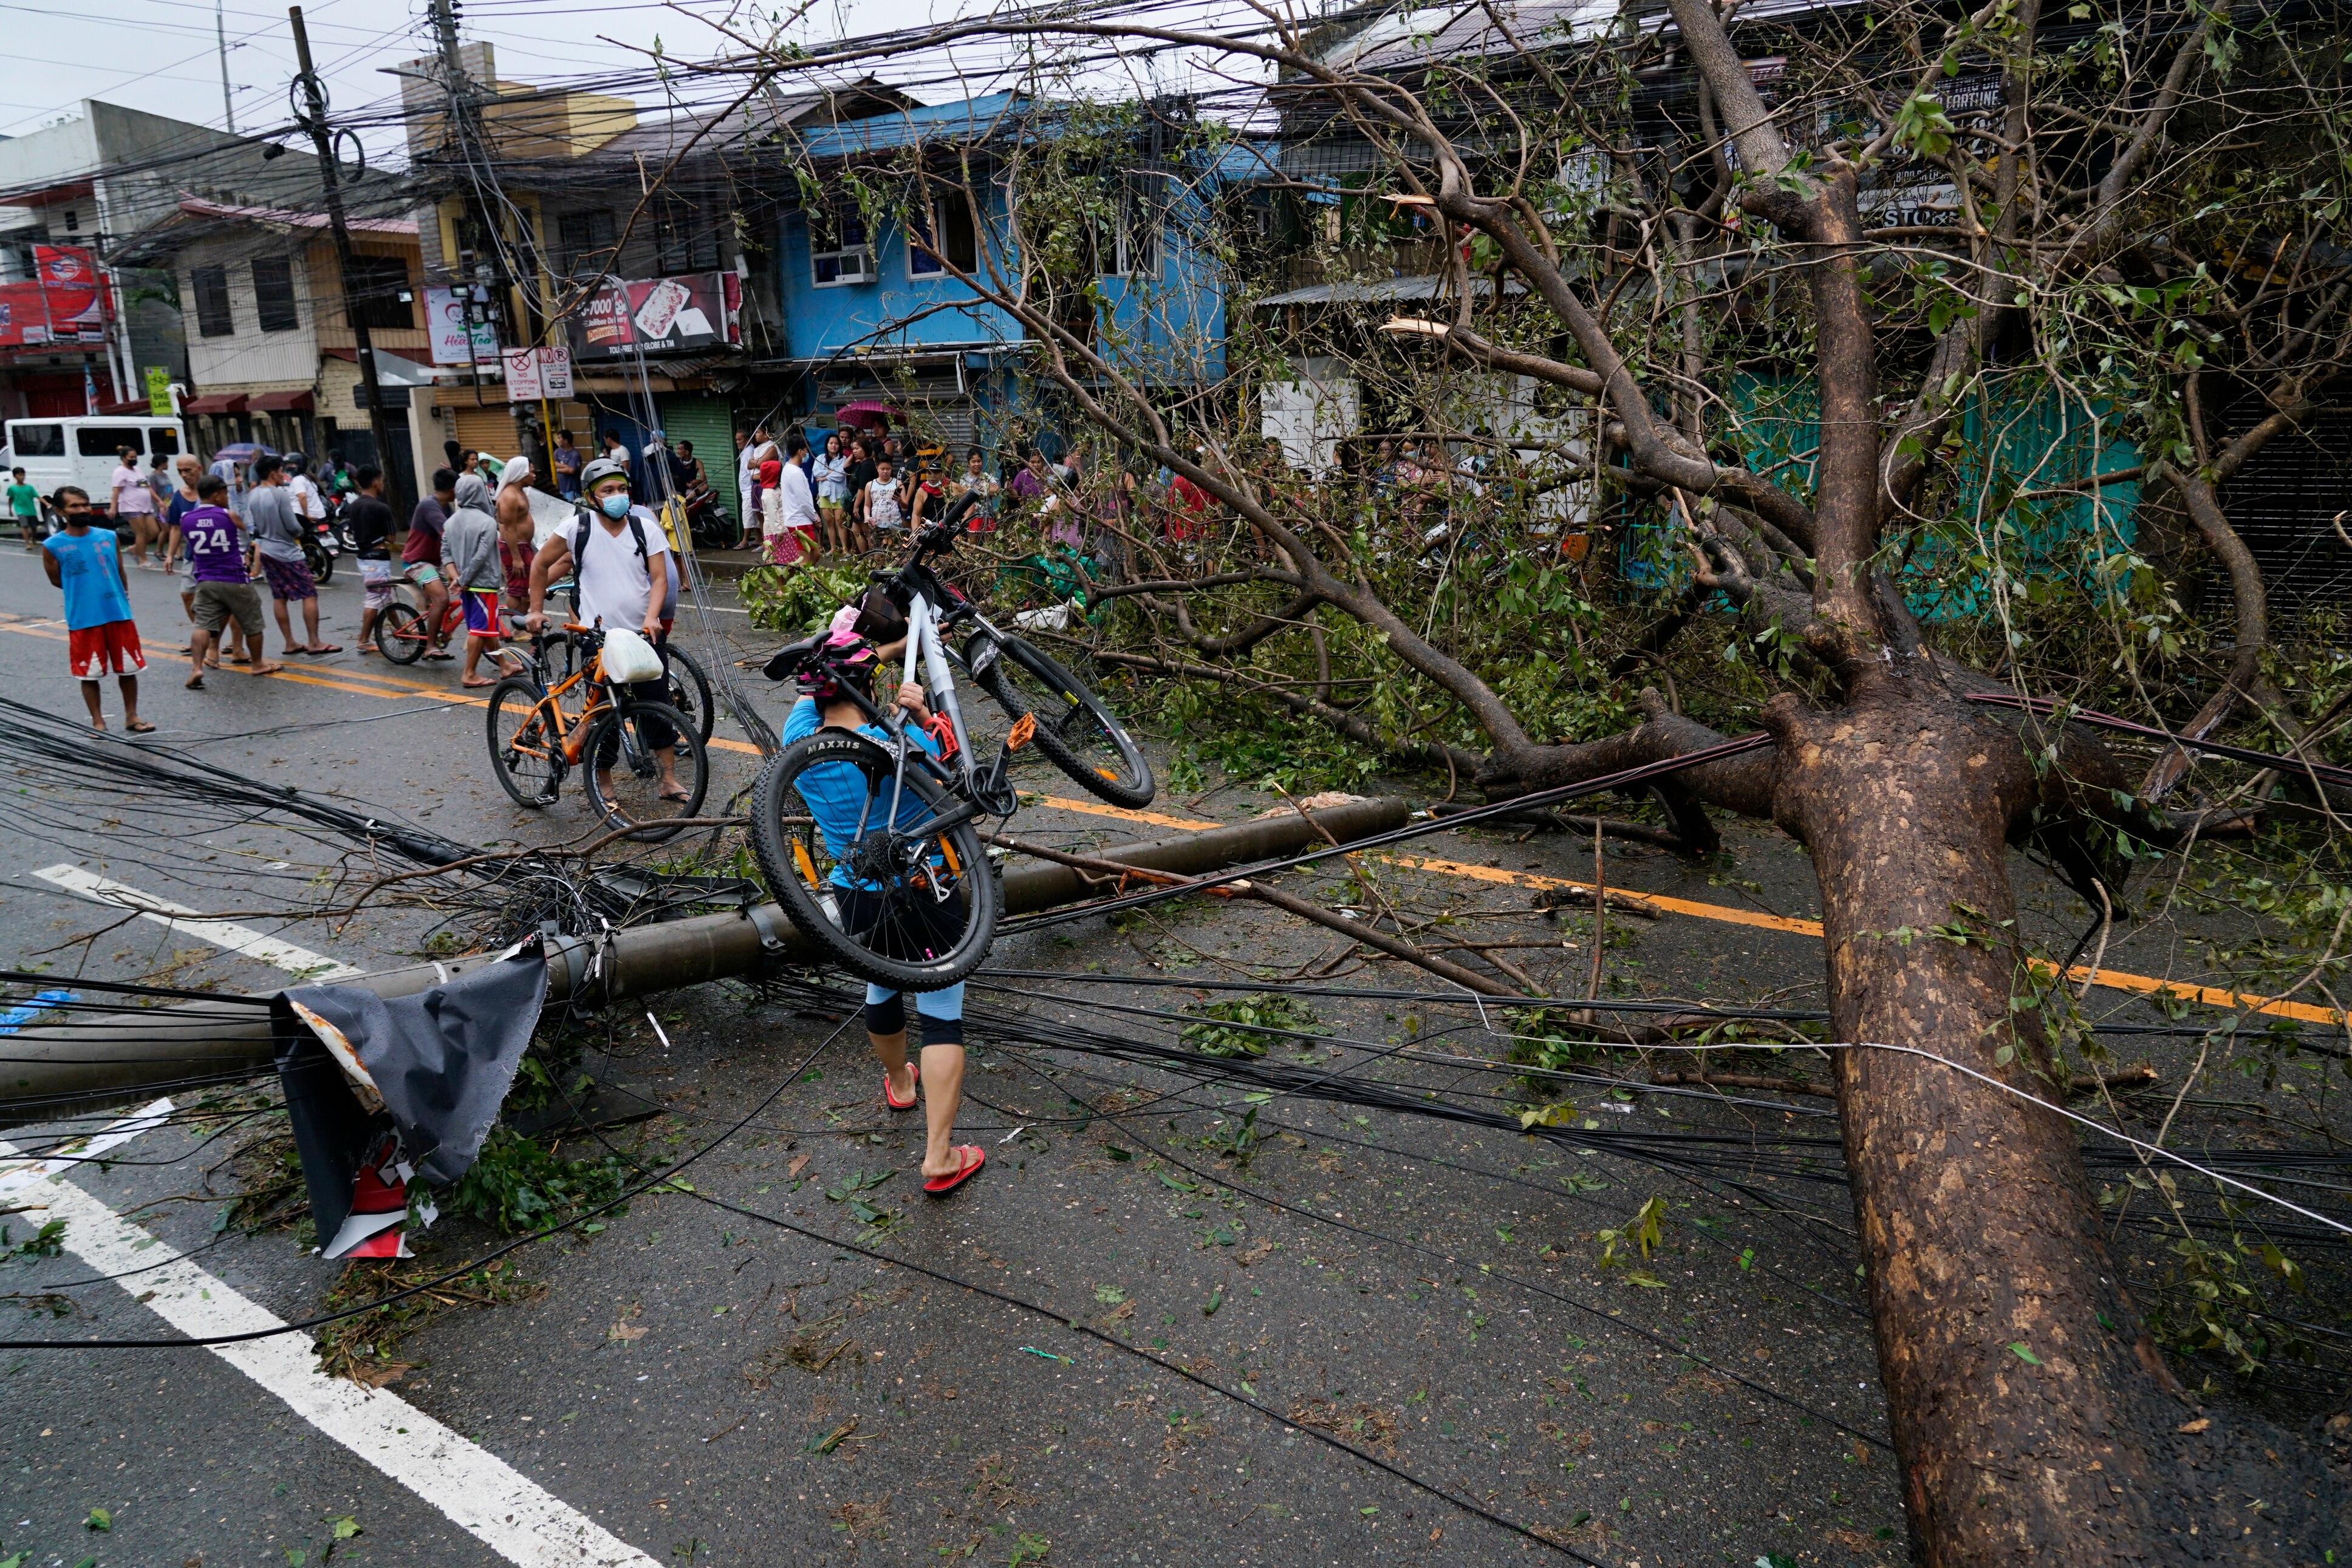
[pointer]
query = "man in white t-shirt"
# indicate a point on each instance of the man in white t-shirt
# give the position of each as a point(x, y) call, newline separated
point(622, 577)
point(307, 502)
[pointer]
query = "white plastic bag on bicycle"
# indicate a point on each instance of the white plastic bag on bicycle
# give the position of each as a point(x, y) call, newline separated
point(629, 658)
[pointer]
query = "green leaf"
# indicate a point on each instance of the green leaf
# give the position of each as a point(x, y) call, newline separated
point(1216, 1299)
point(2019, 1350)
point(99, 1518)
point(1114, 1152)
point(1168, 1180)
point(345, 1528)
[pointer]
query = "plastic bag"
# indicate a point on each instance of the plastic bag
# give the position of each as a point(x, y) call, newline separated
point(629, 658)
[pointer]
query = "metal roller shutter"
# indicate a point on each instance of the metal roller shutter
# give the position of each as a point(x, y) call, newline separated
point(708, 422)
point(490, 428)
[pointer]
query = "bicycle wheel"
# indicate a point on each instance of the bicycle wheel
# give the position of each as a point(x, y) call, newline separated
point(524, 752)
point(690, 692)
point(637, 753)
point(400, 633)
point(914, 909)
point(1075, 731)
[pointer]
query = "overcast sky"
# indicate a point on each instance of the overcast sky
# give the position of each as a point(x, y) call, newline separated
point(161, 54)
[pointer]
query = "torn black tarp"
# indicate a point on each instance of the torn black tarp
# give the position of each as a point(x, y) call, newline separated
point(382, 1088)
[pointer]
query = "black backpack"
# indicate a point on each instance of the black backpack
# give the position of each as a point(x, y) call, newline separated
point(584, 519)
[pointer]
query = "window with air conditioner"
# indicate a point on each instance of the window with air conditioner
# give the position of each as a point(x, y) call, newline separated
point(838, 251)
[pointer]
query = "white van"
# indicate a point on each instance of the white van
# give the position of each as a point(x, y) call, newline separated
point(82, 452)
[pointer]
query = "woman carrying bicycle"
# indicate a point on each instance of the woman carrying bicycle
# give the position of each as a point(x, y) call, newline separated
point(838, 797)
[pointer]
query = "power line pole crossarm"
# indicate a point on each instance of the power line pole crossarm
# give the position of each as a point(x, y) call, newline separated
point(362, 340)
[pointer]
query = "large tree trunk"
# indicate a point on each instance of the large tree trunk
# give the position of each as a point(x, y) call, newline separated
point(2033, 1418)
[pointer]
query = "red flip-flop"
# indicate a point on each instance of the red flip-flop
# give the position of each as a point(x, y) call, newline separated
point(939, 1186)
point(914, 1082)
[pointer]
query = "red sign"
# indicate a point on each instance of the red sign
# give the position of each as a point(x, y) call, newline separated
point(661, 314)
point(69, 300)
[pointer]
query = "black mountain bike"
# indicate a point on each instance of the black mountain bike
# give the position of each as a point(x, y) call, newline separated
point(870, 845)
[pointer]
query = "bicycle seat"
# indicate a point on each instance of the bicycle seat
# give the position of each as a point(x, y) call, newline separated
point(786, 662)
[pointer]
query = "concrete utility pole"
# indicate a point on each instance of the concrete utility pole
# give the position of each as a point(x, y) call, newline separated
point(220, 37)
point(315, 91)
point(58, 1069)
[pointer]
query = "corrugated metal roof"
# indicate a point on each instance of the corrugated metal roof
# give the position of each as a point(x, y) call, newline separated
point(1428, 287)
point(971, 119)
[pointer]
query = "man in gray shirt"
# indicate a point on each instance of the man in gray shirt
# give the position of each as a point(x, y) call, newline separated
point(469, 560)
point(277, 526)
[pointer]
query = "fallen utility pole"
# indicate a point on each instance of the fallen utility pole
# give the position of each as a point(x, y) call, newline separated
point(59, 1070)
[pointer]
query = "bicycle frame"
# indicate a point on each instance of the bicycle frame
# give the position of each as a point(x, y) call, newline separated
point(570, 732)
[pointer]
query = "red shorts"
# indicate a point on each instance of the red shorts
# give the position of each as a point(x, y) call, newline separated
point(111, 649)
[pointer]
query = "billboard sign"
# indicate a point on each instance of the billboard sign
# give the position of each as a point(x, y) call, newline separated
point(445, 315)
point(660, 316)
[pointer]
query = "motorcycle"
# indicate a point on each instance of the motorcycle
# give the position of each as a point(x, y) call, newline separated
point(708, 522)
point(338, 523)
point(319, 549)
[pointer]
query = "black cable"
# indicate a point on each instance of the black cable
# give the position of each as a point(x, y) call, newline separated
point(1402, 1245)
point(1075, 1326)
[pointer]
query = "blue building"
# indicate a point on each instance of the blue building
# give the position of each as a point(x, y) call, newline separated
point(882, 327)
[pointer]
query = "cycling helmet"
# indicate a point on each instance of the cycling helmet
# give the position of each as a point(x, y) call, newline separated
point(841, 657)
point(600, 470)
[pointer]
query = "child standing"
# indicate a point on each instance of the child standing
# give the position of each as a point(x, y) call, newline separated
point(101, 636)
point(24, 505)
point(883, 515)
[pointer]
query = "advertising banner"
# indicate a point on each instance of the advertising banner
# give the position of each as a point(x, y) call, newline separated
point(444, 314)
point(660, 316)
point(67, 300)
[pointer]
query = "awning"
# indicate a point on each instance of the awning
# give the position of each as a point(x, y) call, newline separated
point(215, 403)
point(284, 403)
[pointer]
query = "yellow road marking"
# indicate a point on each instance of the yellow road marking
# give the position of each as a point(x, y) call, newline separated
point(2114, 980)
point(1097, 809)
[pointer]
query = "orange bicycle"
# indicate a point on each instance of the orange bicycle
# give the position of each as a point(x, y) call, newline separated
point(645, 762)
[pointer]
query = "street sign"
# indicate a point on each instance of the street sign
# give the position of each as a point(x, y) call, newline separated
point(159, 392)
point(535, 373)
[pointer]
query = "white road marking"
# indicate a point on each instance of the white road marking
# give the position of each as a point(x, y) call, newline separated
point(479, 1492)
point(22, 1174)
point(239, 939)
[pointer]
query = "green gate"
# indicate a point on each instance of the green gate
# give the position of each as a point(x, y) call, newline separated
point(708, 422)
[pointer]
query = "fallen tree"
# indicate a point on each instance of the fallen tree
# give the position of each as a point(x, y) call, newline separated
point(2034, 1413)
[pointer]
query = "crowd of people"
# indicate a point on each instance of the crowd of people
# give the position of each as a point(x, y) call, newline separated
point(471, 546)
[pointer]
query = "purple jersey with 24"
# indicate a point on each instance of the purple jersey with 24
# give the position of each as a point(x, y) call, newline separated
point(216, 546)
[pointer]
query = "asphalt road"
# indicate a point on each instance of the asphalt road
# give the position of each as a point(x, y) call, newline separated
point(728, 1385)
